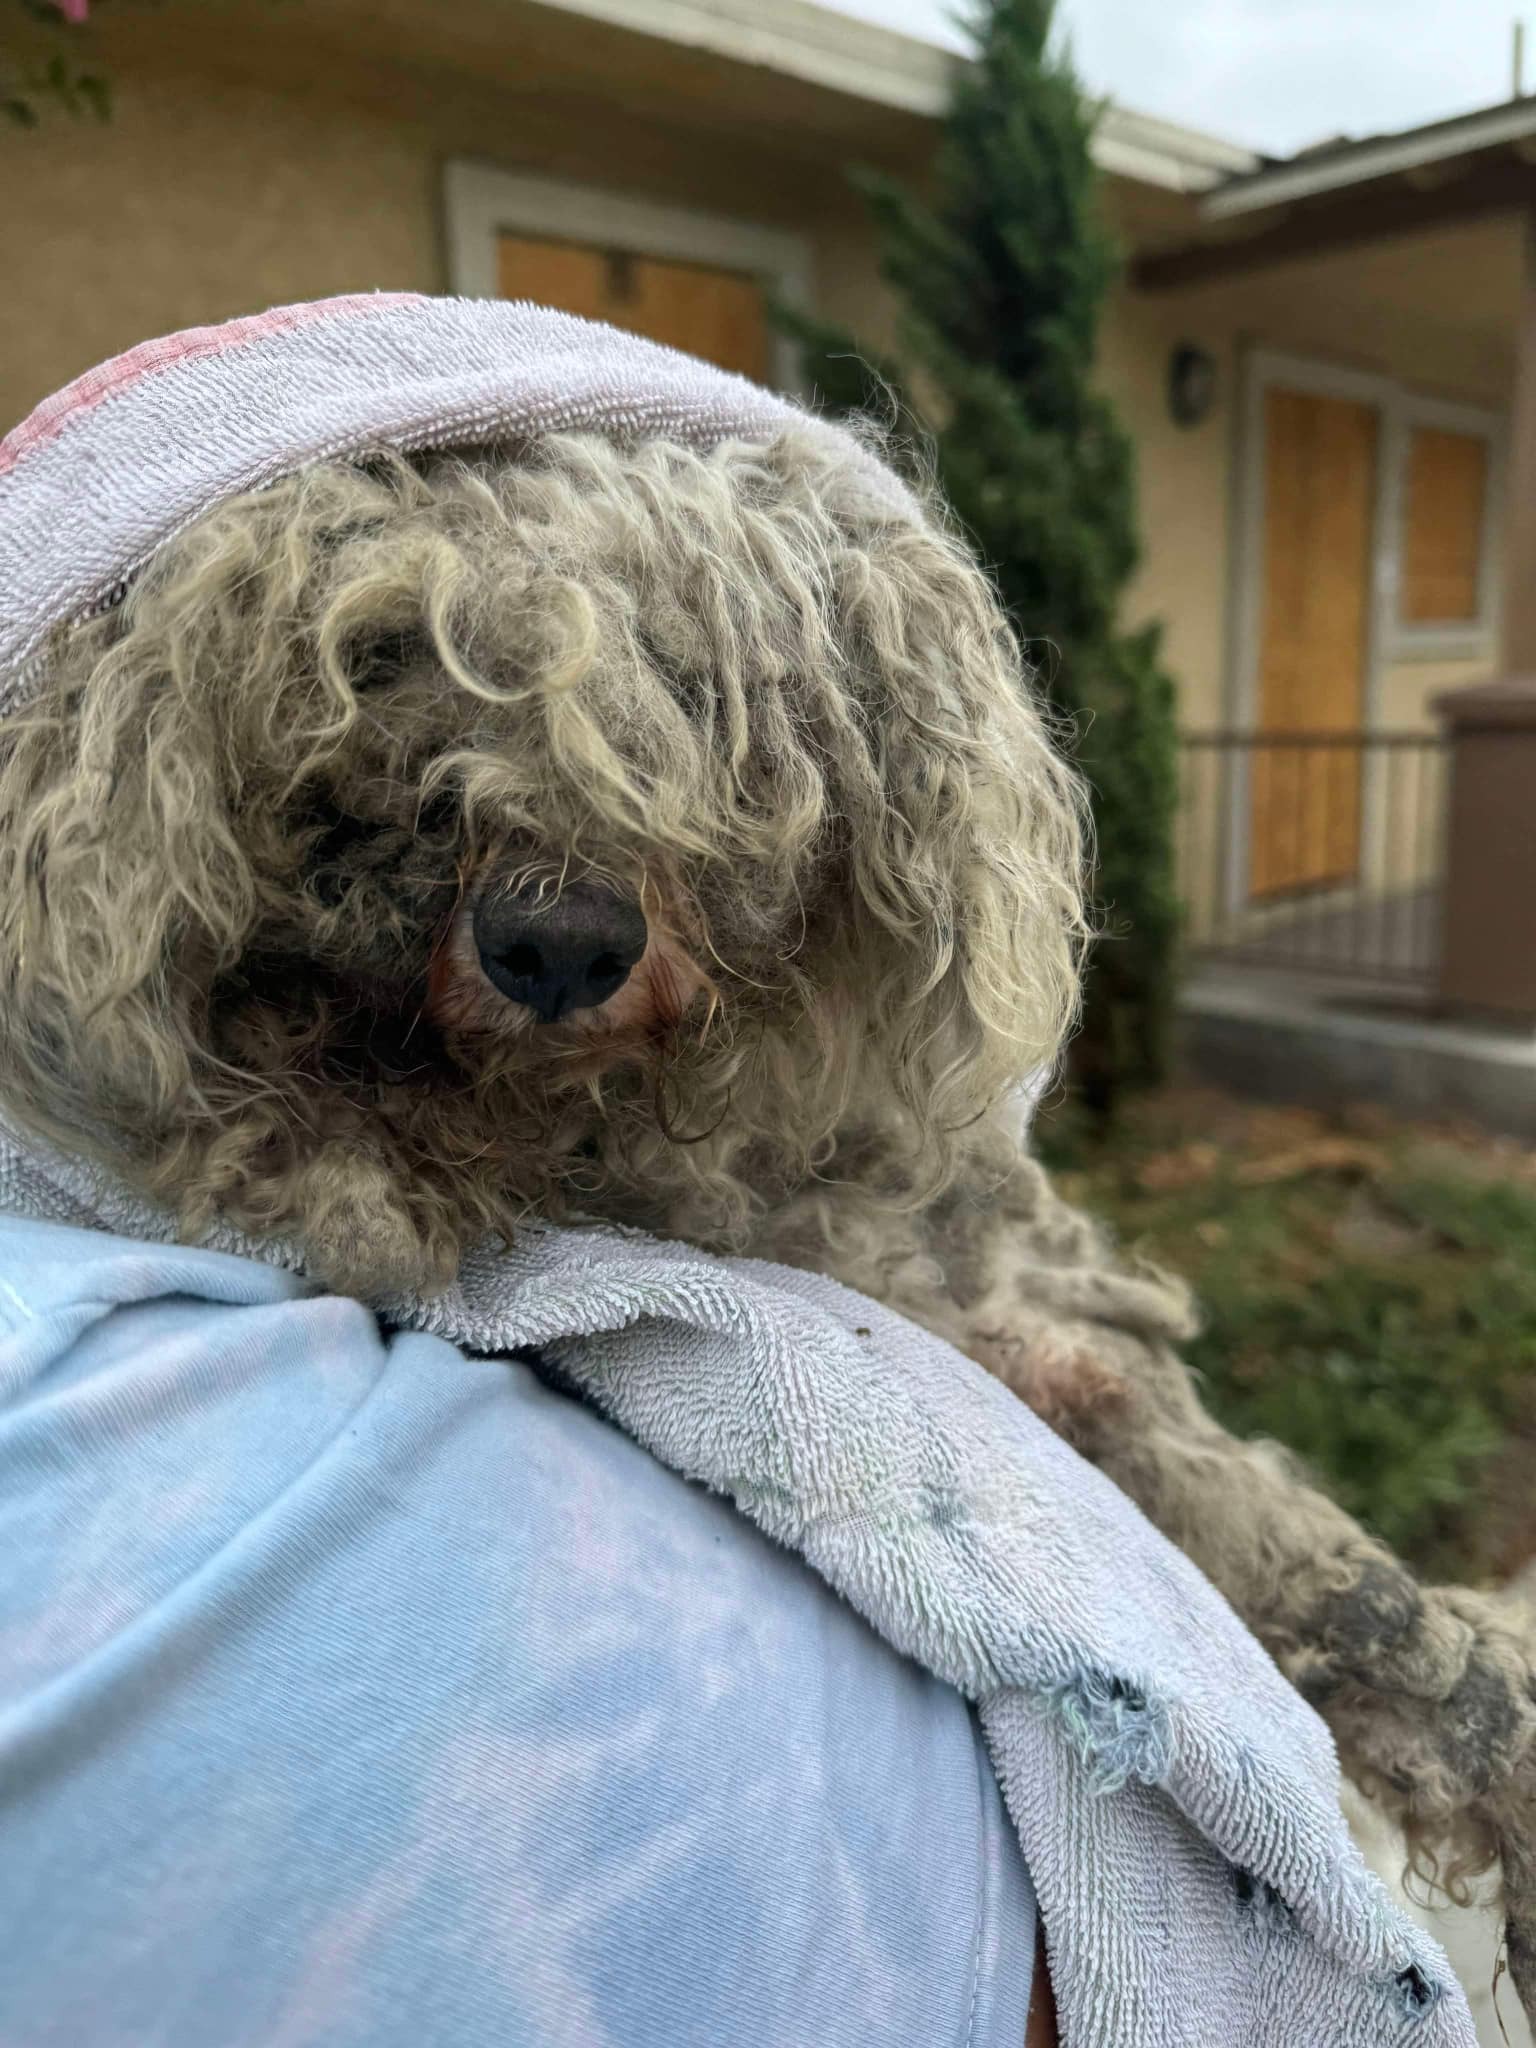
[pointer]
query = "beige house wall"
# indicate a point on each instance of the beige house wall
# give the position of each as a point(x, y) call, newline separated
point(233, 179)
point(200, 200)
point(1185, 479)
point(1409, 689)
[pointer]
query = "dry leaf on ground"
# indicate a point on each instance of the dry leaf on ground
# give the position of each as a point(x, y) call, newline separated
point(1169, 1172)
point(1321, 1155)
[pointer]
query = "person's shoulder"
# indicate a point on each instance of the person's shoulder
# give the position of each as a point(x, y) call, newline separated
point(590, 1687)
point(80, 1305)
point(47, 1265)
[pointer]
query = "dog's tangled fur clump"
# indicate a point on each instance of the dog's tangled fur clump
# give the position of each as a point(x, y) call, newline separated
point(239, 829)
point(251, 829)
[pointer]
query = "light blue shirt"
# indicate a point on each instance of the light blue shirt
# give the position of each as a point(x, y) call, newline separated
point(357, 1691)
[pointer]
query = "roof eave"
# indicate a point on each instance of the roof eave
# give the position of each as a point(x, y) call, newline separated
point(1419, 150)
point(843, 54)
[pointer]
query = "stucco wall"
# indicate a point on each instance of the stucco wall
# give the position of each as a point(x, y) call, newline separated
point(195, 204)
point(1408, 689)
point(1185, 485)
point(235, 178)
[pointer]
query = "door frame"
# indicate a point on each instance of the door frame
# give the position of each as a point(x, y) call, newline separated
point(1387, 640)
point(1264, 369)
point(481, 201)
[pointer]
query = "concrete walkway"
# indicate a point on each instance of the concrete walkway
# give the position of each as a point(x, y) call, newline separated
point(1287, 1037)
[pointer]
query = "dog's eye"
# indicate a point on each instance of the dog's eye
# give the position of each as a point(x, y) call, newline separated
point(383, 659)
point(333, 834)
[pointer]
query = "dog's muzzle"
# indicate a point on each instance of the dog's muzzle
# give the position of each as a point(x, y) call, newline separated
point(556, 951)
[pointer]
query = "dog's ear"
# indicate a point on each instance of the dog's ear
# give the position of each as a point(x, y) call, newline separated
point(122, 889)
point(965, 832)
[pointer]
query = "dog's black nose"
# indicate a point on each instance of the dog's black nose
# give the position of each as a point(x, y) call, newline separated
point(559, 950)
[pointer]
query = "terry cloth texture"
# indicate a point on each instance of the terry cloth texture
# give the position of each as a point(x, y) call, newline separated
point(1175, 1800)
point(118, 462)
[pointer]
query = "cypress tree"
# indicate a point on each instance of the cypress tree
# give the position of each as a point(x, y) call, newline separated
point(1002, 276)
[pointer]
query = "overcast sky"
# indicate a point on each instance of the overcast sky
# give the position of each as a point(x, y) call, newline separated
point(1276, 74)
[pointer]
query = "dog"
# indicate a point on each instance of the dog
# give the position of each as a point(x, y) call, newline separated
point(423, 845)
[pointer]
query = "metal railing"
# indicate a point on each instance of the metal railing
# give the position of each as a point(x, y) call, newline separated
point(1316, 852)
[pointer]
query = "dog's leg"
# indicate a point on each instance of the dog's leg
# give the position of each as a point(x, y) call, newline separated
point(359, 1231)
point(1430, 1692)
point(344, 1203)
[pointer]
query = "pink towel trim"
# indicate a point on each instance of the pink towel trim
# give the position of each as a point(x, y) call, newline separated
point(49, 419)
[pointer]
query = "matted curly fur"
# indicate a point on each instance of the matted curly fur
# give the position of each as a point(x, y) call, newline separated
point(237, 829)
point(246, 830)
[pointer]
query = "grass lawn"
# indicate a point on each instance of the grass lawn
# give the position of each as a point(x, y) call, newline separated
point(1369, 1289)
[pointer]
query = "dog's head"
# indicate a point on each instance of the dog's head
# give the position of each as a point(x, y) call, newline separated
point(567, 829)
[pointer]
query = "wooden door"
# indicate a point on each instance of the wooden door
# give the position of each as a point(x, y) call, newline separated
point(1319, 524)
point(717, 314)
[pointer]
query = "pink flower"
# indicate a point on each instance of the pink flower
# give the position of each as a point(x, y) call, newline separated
point(73, 10)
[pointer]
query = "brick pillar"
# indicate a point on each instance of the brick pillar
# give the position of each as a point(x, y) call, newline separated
point(1518, 540)
point(1488, 933)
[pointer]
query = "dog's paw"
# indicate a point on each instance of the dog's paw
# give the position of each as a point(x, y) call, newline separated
point(359, 1236)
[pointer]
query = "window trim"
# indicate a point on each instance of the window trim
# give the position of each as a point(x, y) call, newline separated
point(1473, 639)
point(482, 201)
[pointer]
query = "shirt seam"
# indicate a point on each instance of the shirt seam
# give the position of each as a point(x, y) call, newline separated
point(24, 1310)
point(983, 1888)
